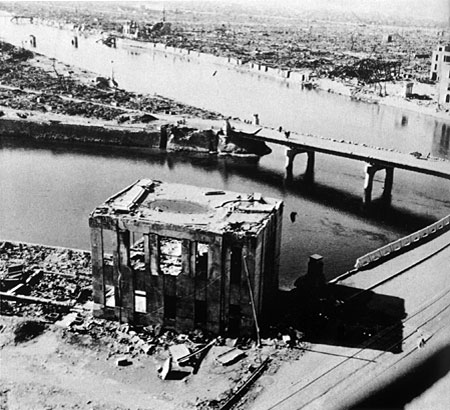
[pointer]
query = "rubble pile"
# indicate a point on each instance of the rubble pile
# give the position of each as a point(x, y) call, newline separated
point(125, 339)
point(22, 100)
point(63, 275)
point(49, 274)
point(287, 39)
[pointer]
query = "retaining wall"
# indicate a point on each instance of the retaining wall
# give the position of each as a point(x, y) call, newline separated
point(96, 134)
point(277, 73)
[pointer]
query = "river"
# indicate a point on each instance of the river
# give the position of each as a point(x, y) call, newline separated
point(48, 192)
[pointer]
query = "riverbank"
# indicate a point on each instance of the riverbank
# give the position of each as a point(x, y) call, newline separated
point(43, 99)
point(70, 90)
point(311, 61)
point(424, 100)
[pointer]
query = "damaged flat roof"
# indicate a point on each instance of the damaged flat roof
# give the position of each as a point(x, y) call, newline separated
point(150, 202)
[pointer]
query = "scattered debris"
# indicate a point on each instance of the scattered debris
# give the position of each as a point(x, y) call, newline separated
point(237, 395)
point(231, 356)
point(29, 85)
point(123, 361)
point(37, 280)
point(178, 352)
point(165, 369)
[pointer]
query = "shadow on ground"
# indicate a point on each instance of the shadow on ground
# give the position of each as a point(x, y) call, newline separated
point(409, 385)
point(341, 316)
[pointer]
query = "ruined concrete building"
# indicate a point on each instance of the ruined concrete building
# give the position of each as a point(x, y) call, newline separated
point(185, 257)
point(440, 72)
point(440, 55)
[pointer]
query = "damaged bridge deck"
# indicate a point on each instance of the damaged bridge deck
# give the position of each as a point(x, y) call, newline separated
point(357, 151)
point(375, 158)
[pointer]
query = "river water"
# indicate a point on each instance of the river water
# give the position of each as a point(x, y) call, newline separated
point(46, 193)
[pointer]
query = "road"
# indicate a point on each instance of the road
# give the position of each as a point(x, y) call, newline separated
point(346, 374)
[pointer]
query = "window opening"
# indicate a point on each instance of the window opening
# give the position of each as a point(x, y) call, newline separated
point(140, 301)
point(236, 265)
point(110, 296)
point(170, 307)
point(234, 319)
point(137, 255)
point(170, 256)
point(200, 312)
point(201, 260)
point(109, 245)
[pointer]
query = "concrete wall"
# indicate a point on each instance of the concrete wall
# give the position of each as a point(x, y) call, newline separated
point(223, 291)
point(276, 73)
point(180, 139)
point(176, 138)
point(444, 84)
point(70, 133)
point(439, 55)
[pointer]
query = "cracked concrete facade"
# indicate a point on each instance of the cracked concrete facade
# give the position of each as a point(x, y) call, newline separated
point(185, 257)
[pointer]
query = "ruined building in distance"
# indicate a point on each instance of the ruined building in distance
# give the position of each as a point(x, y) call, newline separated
point(185, 257)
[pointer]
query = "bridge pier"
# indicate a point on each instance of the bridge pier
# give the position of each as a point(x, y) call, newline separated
point(309, 173)
point(291, 153)
point(388, 184)
point(370, 172)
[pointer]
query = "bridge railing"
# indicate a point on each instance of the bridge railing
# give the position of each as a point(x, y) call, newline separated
point(399, 244)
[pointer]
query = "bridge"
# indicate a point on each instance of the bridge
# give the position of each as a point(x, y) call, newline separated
point(375, 159)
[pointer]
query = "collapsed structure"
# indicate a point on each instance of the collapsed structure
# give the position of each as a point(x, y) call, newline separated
point(185, 257)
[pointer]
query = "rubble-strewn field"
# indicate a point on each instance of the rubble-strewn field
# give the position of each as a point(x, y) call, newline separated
point(347, 53)
point(37, 83)
point(285, 38)
point(55, 354)
point(320, 41)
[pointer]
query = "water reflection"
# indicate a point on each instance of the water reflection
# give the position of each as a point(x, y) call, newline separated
point(65, 183)
point(441, 141)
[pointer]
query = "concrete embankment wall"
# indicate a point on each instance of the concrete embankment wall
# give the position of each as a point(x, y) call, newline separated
point(81, 133)
point(156, 136)
point(291, 76)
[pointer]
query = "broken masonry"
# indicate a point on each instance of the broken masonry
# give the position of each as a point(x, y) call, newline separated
point(186, 257)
